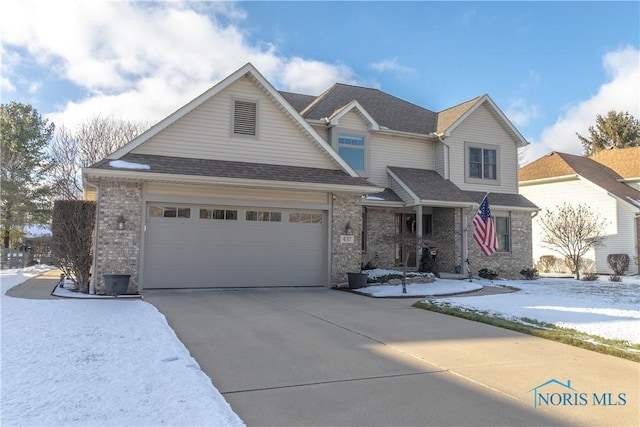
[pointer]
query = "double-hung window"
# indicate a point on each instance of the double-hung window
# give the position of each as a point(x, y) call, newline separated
point(352, 150)
point(503, 230)
point(482, 164)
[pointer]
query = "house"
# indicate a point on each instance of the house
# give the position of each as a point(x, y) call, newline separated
point(608, 182)
point(249, 186)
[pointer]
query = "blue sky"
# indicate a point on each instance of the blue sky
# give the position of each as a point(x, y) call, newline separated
point(550, 66)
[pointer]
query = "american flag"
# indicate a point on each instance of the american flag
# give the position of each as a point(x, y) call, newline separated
point(484, 229)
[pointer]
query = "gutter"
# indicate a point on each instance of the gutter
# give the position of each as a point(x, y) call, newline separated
point(231, 182)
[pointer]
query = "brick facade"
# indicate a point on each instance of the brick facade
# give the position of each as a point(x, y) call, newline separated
point(380, 248)
point(118, 251)
point(345, 257)
point(507, 264)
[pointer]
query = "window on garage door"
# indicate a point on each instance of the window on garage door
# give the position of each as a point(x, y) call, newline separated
point(158, 211)
point(227, 214)
point(264, 216)
point(305, 217)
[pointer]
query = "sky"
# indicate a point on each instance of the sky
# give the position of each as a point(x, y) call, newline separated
point(551, 67)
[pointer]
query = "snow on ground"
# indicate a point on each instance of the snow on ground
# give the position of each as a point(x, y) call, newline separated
point(439, 287)
point(603, 308)
point(98, 362)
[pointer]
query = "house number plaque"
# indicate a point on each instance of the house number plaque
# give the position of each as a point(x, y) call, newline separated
point(346, 238)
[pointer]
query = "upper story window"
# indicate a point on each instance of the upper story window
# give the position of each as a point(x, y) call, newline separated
point(245, 118)
point(352, 150)
point(482, 164)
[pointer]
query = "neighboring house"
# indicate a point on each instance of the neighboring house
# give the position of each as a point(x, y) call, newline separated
point(607, 182)
point(248, 186)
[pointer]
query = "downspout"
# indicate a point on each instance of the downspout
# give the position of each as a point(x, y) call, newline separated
point(94, 263)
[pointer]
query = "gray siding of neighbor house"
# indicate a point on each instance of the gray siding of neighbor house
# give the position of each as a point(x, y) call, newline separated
point(345, 257)
point(118, 251)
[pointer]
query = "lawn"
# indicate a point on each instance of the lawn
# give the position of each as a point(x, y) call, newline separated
point(600, 315)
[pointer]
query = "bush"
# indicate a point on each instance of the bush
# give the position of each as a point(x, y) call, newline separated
point(589, 276)
point(530, 273)
point(619, 263)
point(547, 263)
point(487, 273)
point(72, 226)
point(615, 278)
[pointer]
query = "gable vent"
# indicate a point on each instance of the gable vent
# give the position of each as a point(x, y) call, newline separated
point(244, 118)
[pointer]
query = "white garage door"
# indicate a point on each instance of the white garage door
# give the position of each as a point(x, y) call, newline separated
point(220, 246)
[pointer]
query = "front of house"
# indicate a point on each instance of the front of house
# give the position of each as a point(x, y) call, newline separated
point(246, 186)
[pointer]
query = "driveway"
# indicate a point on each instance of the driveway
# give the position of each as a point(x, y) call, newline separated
point(321, 357)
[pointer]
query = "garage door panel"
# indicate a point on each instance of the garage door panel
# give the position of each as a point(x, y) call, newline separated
point(195, 252)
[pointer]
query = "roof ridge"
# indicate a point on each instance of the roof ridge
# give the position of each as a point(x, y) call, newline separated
point(470, 101)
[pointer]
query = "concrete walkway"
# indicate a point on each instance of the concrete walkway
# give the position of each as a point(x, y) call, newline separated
point(319, 357)
point(39, 287)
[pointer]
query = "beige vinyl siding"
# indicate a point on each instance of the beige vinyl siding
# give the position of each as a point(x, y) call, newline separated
point(398, 151)
point(482, 128)
point(619, 230)
point(322, 130)
point(206, 133)
point(440, 158)
point(355, 121)
point(178, 193)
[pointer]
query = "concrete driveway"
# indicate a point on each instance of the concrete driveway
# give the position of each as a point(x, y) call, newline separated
point(321, 357)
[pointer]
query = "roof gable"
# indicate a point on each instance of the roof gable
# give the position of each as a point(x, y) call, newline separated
point(386, 110)
point(561, 164)
point(625, 161)
point(454, 116)
point(249, 71)
point(334, 119)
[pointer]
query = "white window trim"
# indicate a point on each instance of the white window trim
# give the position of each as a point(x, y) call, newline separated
point(232, 112)
point(470, 180)
point(338, 132)
point(510, 230)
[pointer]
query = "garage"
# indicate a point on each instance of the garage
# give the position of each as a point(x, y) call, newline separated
point(203, 246)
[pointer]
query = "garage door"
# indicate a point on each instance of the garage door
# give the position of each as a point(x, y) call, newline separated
point(225, 246)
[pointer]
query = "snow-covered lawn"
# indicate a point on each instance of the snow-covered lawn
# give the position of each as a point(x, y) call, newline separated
point(92, 362)
point(603, 308)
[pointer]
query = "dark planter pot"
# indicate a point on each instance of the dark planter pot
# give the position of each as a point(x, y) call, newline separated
point(116, 284)
point(357, 280)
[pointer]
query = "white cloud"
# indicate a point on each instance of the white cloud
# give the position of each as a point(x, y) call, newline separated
point(5, 85)
point(520, 113)
point(621, 93)
point(391, 64)
point(313, 77)
point(143, 60)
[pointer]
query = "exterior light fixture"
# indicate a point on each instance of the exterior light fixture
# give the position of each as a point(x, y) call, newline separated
point(348, 230)
point(121, 222)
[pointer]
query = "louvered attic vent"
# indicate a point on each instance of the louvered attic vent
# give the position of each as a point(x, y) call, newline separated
point(244, 118)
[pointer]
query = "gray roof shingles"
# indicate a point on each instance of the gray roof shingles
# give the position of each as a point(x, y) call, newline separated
point(387, 110)
point(241, 170)
point(429, 185)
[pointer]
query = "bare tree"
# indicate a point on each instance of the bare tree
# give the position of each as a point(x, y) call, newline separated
point(409, 244)
point(93, 140)
point(72, 231)
point(572, 231)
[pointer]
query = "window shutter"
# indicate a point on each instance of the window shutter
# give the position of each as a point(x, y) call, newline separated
point(244, 118)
